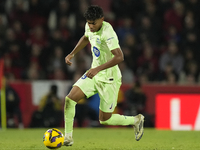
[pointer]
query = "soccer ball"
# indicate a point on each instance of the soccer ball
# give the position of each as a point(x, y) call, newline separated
point(53, 138)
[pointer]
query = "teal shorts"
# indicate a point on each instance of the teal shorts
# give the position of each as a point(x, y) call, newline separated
point(108, 92)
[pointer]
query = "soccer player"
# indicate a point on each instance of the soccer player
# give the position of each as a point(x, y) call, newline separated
point(103, 78)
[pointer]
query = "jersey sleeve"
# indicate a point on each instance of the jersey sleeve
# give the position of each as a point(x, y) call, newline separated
point(111, 38)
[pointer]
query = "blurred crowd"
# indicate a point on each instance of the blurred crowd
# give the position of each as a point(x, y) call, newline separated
point(159, 38)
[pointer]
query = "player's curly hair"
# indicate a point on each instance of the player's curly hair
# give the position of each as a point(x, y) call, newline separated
point(93, 12)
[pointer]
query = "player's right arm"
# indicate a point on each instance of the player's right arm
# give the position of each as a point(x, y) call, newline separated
point(80, 45)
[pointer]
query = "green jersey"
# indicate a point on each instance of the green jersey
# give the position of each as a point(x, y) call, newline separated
point(102, 42)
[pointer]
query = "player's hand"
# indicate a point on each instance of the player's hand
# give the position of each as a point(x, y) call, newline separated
point(92, 72)
point(68, 58)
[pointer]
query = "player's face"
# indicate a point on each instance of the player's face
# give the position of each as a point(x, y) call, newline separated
point(95, 25)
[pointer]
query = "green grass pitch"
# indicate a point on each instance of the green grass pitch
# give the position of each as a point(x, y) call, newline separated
point(104, 139)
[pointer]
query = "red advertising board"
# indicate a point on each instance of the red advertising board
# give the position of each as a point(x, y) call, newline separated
point(178, 111)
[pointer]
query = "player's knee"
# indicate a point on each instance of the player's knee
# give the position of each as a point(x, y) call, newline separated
point(76, 94)
point(69, 102)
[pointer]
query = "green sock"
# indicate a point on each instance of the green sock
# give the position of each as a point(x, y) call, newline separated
point(69, 112)
point(117, 119)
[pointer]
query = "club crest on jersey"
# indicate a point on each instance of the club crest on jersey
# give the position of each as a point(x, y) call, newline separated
point(98, 41)
point(96, 51)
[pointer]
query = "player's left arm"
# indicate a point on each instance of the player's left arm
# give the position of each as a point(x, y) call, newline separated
point(118, 57)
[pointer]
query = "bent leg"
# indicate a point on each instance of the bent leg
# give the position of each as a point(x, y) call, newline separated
point(115, 119)
point(103, 116)
point(108, 103)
